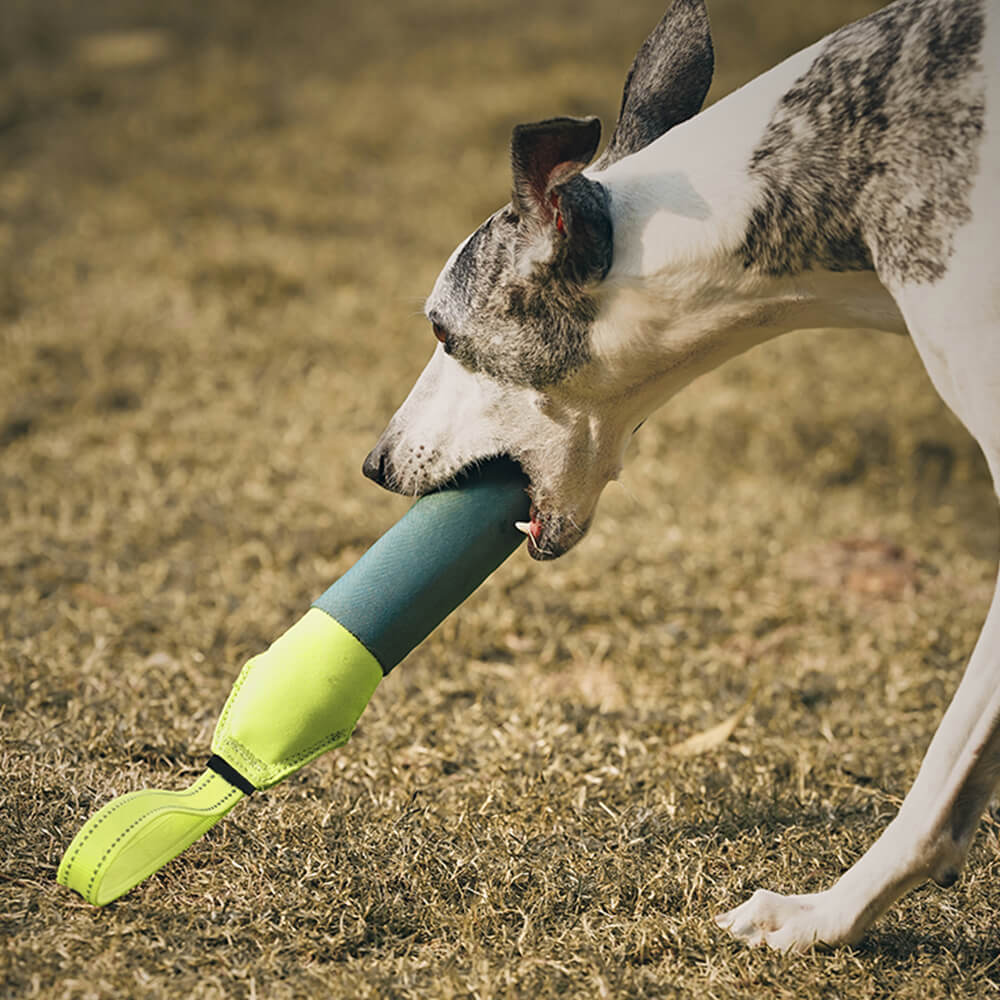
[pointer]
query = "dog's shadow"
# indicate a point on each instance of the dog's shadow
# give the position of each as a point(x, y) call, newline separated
point(892, 941)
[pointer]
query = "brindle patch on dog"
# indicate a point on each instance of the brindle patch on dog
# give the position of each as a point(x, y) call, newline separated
point(869, 159)
point(517, 301)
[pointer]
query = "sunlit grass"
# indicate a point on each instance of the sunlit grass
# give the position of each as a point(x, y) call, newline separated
point(212, 269)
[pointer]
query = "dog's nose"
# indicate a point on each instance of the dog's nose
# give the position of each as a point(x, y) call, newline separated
point(378, 466)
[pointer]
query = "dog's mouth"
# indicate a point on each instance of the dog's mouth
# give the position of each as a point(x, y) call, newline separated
point(550, 532)
point(532, 527)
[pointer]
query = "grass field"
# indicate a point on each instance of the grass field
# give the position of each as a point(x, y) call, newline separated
point(217, 224)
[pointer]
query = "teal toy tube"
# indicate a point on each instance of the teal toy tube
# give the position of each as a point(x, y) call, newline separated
point(304, 694)
point(429, 562)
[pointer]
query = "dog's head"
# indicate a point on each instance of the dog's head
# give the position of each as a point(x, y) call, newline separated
point(522, 368)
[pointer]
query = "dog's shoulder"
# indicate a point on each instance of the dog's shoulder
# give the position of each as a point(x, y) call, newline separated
point(869, 158)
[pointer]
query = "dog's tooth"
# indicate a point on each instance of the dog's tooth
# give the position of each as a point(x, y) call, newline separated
point(523, 526)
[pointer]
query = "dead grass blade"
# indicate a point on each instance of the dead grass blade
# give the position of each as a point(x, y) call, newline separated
point(710, 739)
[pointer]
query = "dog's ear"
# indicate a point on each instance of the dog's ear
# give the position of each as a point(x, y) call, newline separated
point(668, 80)
point(544, 156)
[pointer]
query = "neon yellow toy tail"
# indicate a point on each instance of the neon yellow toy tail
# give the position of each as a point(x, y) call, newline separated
point(290, 704)
point(137, 834)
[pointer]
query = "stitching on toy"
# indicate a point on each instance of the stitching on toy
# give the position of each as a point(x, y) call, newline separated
point(204, 810)
point(123, 801)
point(328, 742)
point(231, 742)
point(268, 771)
point(230, 701)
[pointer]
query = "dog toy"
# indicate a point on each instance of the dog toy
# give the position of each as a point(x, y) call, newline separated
point(305, 693)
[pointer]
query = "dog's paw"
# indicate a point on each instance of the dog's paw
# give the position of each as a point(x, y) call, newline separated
point(789, 923)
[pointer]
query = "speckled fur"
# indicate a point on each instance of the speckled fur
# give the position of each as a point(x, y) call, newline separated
point(527, 324)
point(869, 159)
point(531, 325)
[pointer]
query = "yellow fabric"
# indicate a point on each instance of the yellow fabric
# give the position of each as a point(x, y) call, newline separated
point(137, 834)
point(300, 698)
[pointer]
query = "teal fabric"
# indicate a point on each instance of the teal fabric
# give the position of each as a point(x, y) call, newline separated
point(429, 562)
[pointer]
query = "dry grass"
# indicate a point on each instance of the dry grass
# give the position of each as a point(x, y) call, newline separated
point(215, 236)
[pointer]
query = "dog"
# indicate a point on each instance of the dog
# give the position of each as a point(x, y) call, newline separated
point(856, 184)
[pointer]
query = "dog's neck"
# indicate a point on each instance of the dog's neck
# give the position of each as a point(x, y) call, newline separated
point(681, 209)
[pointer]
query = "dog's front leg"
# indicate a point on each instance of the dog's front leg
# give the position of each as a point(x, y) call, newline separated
point(929, 838)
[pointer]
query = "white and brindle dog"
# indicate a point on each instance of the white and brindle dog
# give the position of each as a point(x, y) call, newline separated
point(857, 184)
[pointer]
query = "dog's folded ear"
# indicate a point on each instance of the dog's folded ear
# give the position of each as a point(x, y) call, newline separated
point(668, 81)
point(547, 159)
point(546, 154)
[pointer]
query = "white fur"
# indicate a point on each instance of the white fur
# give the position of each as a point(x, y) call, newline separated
point(676, 303)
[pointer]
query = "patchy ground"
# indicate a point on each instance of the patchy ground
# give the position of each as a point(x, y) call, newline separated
point(217, 223)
